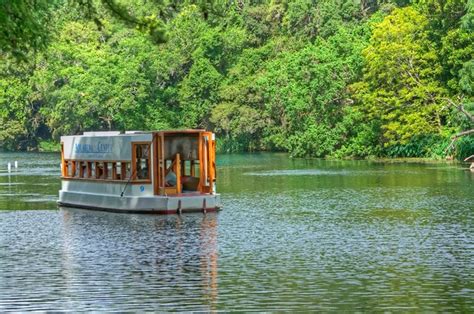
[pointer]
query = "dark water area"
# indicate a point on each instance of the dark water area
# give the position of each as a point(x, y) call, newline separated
point(293, 235)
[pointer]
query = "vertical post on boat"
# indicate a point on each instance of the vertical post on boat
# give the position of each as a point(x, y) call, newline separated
point(212, 162)
point(163, 163)
point(9, 166)
point(205, 165)
point(178, 173)
point(193, 168)
point(16, 164)
point(201, 183)
point(63, 162)
point(73, 168)
point(123, 170)
point(156, 170)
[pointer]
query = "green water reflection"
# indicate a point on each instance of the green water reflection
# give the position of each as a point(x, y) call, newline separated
point(293, 235)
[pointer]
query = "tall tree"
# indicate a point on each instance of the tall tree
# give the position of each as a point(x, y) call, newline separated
point(401, 84)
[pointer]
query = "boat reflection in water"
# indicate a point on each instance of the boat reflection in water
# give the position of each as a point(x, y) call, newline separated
point(124, 262)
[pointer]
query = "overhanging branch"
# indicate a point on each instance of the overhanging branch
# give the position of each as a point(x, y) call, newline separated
point(457, 136)
point(468, 158)
point(461, 109)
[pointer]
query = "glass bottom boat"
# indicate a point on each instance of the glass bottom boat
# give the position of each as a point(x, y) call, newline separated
point(159, 172)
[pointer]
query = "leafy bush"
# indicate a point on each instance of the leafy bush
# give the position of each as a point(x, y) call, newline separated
point(49, 146)
point(430, 146)
point(464, 147)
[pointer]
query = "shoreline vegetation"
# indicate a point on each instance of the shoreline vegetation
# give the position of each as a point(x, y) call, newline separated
point(336, 79)
point(55, 148)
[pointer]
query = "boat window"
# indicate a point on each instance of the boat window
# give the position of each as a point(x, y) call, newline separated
point(123, 170)
point(113, 169)
point(142, 161)
point(107, 170)
point(70, 168)
point(103, 170)
point(92, 170)
point(99, 170)
point(126, 170)
point(82, 169)
point(119, 171)
point(89, 169)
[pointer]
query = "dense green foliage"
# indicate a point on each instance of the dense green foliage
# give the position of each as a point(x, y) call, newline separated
point(340, 78)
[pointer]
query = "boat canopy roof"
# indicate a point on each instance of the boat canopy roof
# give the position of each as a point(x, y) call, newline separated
point(118, 133)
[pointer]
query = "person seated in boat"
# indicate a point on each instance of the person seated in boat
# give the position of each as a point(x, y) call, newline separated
point(142, 173)
point(171, 179)
point(83, 169)
point(100, 171)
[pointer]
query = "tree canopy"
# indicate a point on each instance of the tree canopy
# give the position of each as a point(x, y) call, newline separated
point(340, 78)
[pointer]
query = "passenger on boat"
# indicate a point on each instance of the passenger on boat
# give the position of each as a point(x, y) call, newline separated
point(100, 171)
point(142, 173)
point(171, 179)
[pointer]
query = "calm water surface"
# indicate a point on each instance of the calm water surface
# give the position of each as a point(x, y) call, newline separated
point(293, 235)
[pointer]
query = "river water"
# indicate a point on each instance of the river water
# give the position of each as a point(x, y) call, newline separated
point(293, 235)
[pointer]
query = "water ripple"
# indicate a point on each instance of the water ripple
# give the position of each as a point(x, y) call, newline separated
point(304, 236)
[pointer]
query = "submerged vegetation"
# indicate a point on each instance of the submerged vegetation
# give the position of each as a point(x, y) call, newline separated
point(338, 78)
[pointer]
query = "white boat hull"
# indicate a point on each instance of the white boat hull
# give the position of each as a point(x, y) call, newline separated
point(141, 204)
